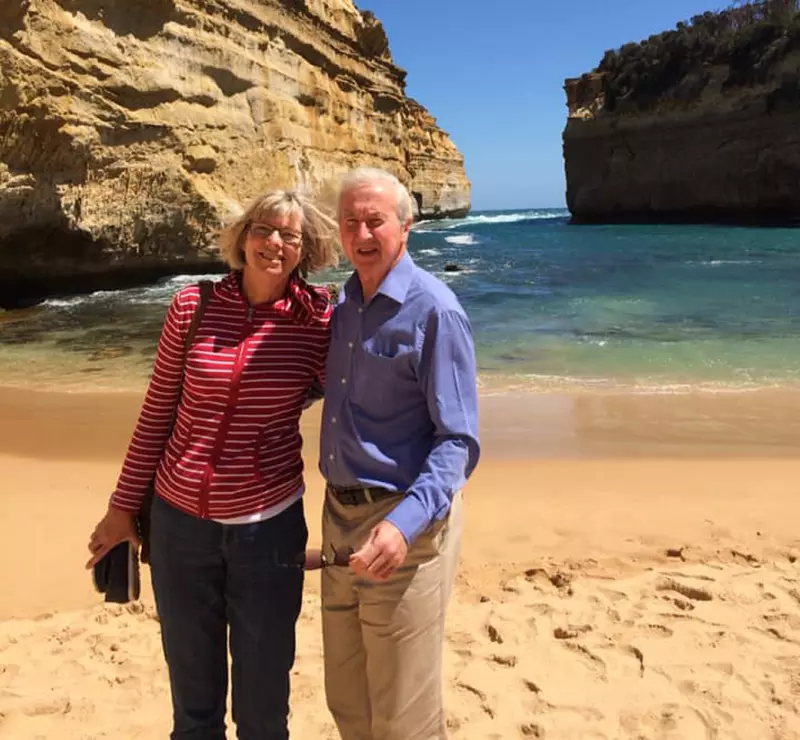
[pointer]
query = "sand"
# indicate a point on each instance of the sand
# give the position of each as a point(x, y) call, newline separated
point(630, 571)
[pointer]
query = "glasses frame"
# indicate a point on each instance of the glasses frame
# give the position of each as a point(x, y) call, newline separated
point(295, 240)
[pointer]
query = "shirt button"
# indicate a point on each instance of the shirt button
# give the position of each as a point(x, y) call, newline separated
point(330, 457)
point(344, 380)
point(361, 310)
point(350, 344)
point(333, 420)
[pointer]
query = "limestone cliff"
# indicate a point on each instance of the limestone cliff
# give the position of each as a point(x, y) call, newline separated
point(710, 147)
point(129, 130)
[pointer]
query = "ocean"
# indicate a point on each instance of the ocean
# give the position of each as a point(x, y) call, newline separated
point(552, 305)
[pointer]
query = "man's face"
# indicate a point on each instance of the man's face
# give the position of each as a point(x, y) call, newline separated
point(372, 236)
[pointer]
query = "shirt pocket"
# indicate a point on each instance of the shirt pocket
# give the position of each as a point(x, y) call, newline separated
point(379, 379)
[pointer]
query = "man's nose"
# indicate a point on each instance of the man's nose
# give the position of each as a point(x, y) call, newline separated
point(362, 232)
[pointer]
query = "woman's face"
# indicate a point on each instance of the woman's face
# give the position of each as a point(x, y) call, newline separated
point(273, 246)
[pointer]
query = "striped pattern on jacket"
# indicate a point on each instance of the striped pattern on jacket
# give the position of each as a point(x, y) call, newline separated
point(235, 448)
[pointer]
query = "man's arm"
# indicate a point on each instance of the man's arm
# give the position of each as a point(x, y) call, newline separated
point(448, 377)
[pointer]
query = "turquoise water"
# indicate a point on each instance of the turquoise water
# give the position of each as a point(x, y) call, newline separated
point(551, 304)
point(648, 305)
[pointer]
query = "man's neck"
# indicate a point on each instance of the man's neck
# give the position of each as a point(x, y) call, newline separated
point(369, 287)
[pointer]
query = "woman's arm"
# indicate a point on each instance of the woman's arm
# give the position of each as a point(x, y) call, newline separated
point(158, 411)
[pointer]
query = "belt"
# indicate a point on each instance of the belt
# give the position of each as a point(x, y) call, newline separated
point(359, 495)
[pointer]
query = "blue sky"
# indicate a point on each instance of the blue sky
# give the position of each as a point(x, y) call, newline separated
point(492, 74)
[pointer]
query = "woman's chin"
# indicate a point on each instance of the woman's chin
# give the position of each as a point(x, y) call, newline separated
point(271, 270)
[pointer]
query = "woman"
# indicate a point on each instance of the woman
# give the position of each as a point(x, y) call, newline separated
point(228, 530)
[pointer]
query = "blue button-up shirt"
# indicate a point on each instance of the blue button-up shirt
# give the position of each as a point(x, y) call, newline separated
point(401, 407)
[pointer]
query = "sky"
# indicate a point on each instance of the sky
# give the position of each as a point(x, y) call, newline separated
point(492, 74)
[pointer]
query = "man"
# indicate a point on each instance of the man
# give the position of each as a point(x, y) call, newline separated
point(398, 441)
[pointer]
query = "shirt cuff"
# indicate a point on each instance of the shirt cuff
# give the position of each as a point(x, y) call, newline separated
point(410, 517)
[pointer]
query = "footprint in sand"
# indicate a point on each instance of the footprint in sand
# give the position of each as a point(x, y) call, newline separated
point(594, 662)
point(60, 705)
point(494, 634)
point(533, 628)
point(670, 722)
point(657, 630)
point(8, 673)
point(507, 660)
point(461, 643)
point(483, 699)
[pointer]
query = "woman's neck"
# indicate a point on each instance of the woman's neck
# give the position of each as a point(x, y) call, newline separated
point(261, 289)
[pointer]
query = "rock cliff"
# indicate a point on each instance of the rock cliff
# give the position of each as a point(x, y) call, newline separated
point(709, 147)
point(129, 130)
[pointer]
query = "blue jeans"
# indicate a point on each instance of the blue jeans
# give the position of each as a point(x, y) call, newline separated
point(208, 577)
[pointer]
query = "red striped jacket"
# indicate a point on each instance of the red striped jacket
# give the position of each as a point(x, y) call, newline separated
point(235, 447)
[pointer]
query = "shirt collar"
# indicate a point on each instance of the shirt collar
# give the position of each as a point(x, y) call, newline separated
point(395, 285)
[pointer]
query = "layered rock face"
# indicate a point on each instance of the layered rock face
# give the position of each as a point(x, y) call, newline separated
point(130, 130)
point(708, 153)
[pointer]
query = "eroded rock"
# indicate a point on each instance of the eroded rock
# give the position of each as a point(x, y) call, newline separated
point(130, 131)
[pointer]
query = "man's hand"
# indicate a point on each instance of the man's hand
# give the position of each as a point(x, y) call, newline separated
point(384, 551)
point(115, 527)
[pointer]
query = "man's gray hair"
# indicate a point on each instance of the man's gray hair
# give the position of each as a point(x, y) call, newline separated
point(373, 175)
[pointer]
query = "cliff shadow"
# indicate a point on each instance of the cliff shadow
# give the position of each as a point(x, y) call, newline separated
point(12, 16)
point(418, 200)
point(142, 19)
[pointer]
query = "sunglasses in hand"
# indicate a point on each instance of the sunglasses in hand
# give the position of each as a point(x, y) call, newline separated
point(316, 559)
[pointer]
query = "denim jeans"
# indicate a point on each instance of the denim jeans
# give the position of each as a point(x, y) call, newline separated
point(208, 577)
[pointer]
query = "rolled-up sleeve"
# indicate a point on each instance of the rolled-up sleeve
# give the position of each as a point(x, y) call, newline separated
point(447, 375)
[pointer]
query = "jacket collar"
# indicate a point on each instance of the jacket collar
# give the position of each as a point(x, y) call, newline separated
point(298, 303)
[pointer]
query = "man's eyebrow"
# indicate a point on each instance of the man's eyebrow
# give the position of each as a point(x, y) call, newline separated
point(370, 214)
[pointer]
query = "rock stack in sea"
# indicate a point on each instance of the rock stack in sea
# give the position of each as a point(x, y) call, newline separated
point(701, 123)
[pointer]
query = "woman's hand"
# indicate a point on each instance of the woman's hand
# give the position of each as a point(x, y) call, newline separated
point(115, 527)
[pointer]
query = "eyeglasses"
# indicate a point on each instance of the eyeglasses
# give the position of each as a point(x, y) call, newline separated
point(265, 231)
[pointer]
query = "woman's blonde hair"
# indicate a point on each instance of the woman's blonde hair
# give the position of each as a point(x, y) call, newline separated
point(320, 248)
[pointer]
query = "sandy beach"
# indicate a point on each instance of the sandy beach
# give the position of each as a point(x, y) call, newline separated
point(629, 571)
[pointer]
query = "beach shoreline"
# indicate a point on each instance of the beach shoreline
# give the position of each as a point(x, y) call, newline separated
point(581, 506)
point(87, 424)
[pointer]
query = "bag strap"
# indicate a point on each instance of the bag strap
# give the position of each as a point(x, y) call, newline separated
point(206, 287)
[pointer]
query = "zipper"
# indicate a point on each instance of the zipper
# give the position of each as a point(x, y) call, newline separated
point(222, 432)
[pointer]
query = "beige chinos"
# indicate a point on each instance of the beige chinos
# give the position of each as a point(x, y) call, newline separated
point(383, 640)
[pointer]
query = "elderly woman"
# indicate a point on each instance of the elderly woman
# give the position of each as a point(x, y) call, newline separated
point(228, 529)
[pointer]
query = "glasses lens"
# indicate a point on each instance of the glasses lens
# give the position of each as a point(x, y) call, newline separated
point(264, 231)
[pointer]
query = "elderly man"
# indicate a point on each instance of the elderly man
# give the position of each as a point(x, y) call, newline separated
point(398, 441)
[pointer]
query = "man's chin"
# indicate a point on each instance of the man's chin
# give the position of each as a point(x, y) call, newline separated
point(368, 262)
